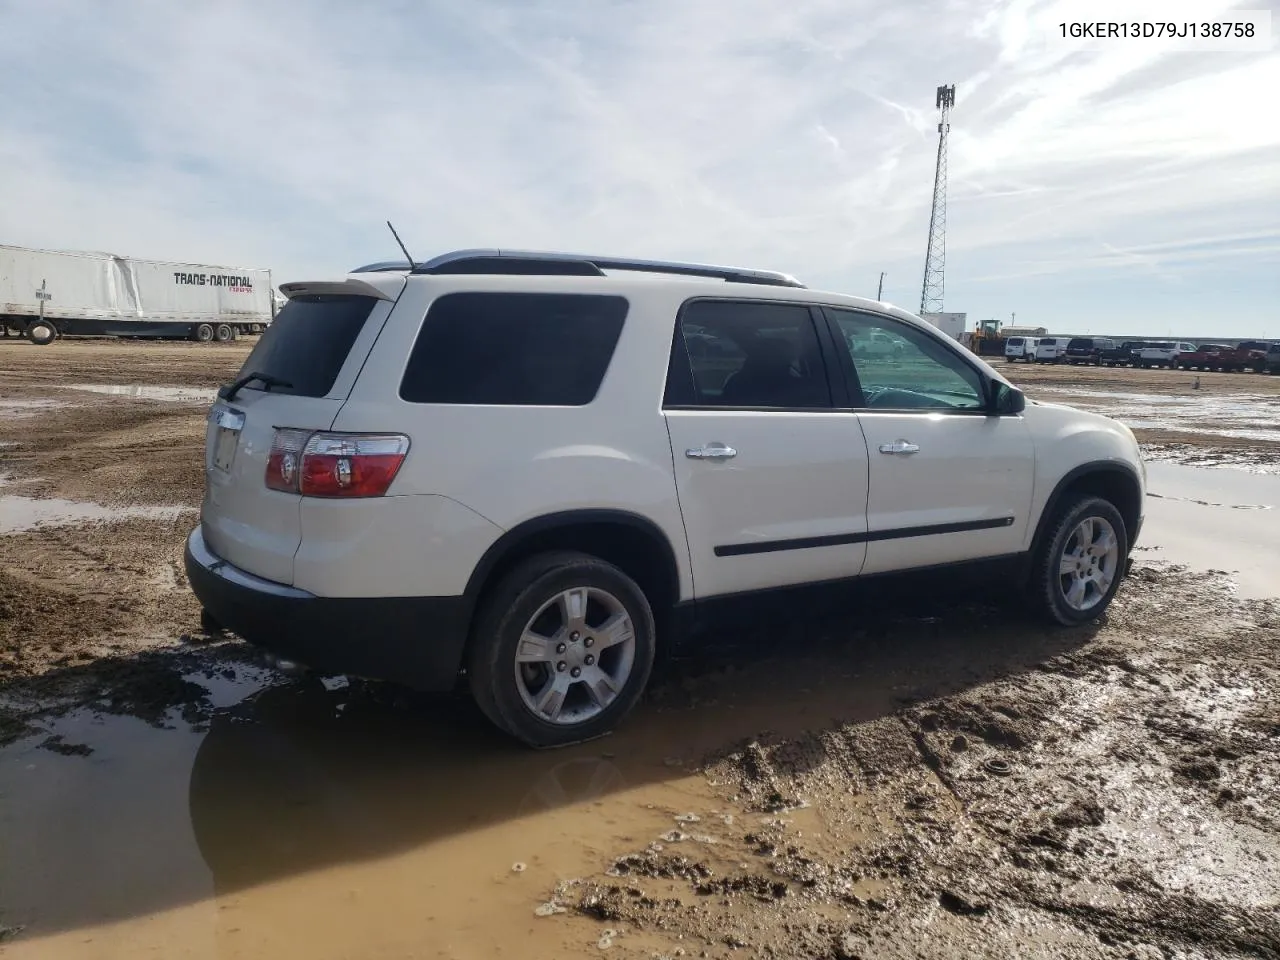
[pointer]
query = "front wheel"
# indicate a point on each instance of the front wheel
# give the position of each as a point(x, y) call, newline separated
point(1080, 564)
point(42, 333)
point(562, 650)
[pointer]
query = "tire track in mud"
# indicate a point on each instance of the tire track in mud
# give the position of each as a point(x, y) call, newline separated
point(1131, 816)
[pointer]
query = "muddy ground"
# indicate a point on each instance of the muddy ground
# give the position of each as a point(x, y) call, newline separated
point(925, 776)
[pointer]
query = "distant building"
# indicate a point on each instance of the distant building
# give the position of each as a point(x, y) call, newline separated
point(952, 324)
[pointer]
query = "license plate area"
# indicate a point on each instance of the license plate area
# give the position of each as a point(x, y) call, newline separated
point(226, 438)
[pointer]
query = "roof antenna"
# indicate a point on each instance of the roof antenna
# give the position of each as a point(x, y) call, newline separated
point(412, 262)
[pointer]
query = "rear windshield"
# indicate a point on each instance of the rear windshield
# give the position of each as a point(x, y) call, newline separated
point(1080, 343)
point(1015, 341)
point(1160, 346)
point(1048, 342)
point(308, 342)
point(517, 349)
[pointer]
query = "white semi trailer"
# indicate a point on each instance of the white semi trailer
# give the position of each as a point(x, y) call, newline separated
point(45, 294)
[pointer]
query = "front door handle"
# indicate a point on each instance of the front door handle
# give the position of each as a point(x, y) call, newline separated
point(900, 447)
point(711, 451)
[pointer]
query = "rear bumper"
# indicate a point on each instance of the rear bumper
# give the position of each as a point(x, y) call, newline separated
point(415, 641)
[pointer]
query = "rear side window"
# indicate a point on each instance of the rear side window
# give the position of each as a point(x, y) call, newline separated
point(514, 349)
point(747, 356)
point(308, 342)
point(1080, 343)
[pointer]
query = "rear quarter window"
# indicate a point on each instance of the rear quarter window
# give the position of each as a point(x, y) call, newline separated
point(514, 349)
point(308, 342)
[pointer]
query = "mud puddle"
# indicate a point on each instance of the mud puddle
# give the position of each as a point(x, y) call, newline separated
point(1240, 416)
point(919, 780)
point(26, 409)
point(1210, 519)
point(147, 392)
point(19, 514)
point(321, 822)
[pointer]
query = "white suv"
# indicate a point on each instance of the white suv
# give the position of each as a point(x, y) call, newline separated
point(533, 471)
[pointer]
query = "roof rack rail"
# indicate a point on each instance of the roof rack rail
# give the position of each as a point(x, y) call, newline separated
point(544, 263)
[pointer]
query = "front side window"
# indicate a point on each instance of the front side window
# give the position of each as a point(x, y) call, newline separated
point(516, 349)
point(748, 356)
point(899, 367)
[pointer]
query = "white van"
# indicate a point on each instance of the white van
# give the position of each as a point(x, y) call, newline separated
point(1020, 348)
point(1050, 349)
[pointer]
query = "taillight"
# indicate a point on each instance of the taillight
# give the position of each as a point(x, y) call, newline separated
point(285, 460)
point(335, 464)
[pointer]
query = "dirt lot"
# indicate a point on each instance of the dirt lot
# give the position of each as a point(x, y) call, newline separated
point(922, 777)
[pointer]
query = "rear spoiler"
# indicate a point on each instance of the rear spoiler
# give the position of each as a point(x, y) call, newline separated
point(349, 288)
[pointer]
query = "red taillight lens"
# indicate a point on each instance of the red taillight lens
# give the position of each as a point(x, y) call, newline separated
point(284, 463)
point(335, 464)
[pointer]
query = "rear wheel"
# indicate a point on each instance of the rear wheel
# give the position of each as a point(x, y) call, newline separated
point(223, 333)
point(1080, 564)
point(562, 650)
point(204, 332)
point(42, 333)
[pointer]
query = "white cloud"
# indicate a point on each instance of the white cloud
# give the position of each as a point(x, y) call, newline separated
point(797, 136)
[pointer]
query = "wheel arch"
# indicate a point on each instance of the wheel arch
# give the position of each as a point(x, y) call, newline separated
point(631, 542)
point(1115, 482)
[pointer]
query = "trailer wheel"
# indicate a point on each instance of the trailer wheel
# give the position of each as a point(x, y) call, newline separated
point(42, 333)
point(204, 332)
point(223, 333)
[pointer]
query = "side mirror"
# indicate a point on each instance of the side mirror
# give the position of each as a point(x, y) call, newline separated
point(1007, 400)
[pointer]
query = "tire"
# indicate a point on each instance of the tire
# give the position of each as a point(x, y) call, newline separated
point(526, 601)
point(42, 333)
point(223, 333)
point(204, 332)
point(1051, 590)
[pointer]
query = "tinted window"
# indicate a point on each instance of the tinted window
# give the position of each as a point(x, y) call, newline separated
point(1015, 341)
point(1080, 343)
point(308, 342)
point(747, 355)
point(518, 349)
point(917, 372)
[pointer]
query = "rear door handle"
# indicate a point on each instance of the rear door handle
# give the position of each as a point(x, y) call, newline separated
point(711, 451)
point(901, 447)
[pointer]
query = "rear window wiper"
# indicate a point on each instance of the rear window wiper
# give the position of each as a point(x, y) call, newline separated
point(229, 391)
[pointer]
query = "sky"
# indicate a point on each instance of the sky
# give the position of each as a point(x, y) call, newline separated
point(1133, 188)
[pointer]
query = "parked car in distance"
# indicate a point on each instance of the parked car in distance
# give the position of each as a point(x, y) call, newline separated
point(1123, 355)
point(1050, 349)
point(1020, 348)
point(1087, 349)
point(1271, 361)
point(1163, 353)
point(1251, 355)
point(1207, 356)
point(627, 495)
